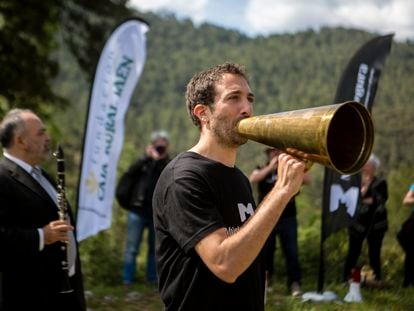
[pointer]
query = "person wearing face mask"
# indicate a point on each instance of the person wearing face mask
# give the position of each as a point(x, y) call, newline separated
point(134, 193)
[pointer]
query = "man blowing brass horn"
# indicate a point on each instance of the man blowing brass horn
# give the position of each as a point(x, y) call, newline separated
point(209, 232)
point(338, 136)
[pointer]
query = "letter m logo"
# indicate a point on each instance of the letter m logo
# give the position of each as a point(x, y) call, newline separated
point(349, 198)
point(245, 210)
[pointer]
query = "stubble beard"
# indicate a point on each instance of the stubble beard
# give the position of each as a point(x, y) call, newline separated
point(41, 154)
point(225, 132)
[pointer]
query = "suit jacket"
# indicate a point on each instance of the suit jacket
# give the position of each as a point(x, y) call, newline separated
point(30, 279)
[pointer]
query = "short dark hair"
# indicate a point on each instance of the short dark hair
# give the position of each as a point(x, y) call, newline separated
point(201, 90)
point(11, 123)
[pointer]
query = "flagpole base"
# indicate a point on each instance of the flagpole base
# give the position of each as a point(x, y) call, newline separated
point(326, 296)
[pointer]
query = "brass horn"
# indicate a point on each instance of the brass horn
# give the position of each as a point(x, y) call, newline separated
point(338, 136)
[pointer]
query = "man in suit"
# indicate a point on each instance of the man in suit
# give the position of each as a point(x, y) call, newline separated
point(31, 234)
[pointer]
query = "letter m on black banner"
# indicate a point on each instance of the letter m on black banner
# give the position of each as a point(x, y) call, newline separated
point(359, 82)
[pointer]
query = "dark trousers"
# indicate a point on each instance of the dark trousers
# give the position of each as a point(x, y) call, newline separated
point(409, 268)
point(1, 291)
point(47, 302)
point(374, 239)
point(406, 239)
point(287, 230)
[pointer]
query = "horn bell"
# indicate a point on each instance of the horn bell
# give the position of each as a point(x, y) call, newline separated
point(338, 136)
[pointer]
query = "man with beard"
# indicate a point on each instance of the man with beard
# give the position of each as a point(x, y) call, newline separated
point(31, 233)
point(209, 234)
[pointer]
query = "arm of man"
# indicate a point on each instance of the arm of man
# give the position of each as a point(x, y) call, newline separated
point(24, 240)
point(15, 240)
point(409, 197)
point(260, 173)
point(229, 256)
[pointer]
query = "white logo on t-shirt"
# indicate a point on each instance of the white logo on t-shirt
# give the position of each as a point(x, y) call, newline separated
point(232, 230)
point(245, 210)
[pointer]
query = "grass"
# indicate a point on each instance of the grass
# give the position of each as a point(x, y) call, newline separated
point(142, 297)
point(139, 297)
point(109, 296)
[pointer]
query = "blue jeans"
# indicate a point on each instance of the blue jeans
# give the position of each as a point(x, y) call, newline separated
point(135, 229)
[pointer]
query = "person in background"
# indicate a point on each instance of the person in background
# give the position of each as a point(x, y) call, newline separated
point(134, 193)
point(409, 197)
point(370, 221)
point(209, 234)
point(287, 228)
point(31, 233)
point(406, 239)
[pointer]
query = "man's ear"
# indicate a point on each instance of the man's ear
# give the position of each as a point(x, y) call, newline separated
point(200, 111)
point(19, 140)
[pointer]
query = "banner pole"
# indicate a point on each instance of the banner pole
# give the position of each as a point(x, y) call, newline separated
point(321, 273)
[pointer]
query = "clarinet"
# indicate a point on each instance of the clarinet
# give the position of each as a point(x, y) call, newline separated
point(61, 200)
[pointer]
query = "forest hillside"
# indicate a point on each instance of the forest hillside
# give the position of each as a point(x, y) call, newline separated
point(286, 72)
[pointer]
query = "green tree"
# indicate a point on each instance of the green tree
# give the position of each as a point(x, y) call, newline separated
point(27, 39)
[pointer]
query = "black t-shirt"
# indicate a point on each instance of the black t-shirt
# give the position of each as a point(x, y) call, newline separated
point(194, 197)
